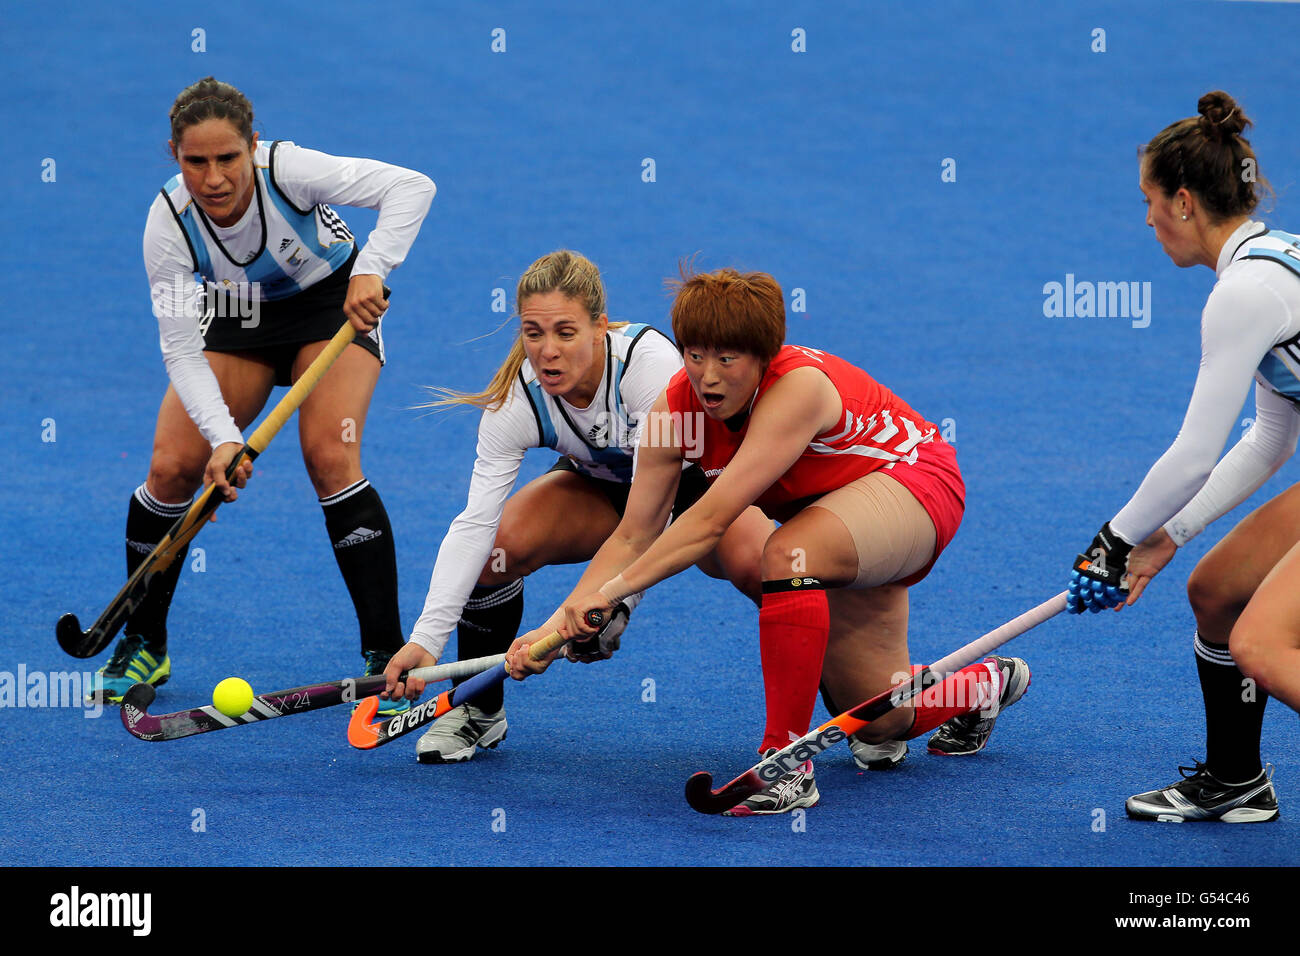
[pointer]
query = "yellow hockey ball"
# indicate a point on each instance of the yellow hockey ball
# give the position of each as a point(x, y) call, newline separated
point(233, 697)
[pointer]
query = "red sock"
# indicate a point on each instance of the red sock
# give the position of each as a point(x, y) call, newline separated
point(793, 628)
point(970, 689)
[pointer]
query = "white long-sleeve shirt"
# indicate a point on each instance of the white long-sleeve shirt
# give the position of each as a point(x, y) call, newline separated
point(1250, 332)
point(600, 440)
point(288, 240)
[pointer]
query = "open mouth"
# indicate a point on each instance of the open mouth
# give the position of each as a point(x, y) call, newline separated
point(712, 400)
point(551, 376)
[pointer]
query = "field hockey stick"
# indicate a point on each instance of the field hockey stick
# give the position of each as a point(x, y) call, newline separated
point(281, 703)
point(699, 788)
point(364, 735)
point(174, 544)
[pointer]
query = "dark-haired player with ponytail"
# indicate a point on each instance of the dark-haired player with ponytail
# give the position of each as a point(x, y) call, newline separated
point(251, 273)
point(869, 495)
point(1201, 184)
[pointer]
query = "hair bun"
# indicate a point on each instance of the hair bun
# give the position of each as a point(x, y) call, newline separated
point(1220, 116)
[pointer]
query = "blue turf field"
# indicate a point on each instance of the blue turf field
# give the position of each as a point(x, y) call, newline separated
point(823, 167)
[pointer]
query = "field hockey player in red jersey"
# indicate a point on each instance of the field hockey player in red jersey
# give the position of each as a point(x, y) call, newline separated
point(868, 494)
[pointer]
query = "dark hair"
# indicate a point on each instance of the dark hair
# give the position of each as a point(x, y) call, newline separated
point(1208, 155)
point(727, 309)
point(207, 99)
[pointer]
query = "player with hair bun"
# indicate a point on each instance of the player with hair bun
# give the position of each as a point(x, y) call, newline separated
point(581, 385)
point(869, 495)
point(251, 274)
point(1201, 184)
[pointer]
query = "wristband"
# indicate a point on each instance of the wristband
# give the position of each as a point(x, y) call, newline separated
point(615, 589)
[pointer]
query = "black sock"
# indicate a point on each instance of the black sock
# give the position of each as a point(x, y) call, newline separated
point(831, 707)
point(488, 625)
point(363, 546)
point(147, 521)
point(1234, 715)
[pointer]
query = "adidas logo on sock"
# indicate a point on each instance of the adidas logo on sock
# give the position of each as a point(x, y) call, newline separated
point(356, 537)
point(142, 546)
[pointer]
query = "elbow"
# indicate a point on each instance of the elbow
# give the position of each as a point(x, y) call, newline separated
point(425, 187)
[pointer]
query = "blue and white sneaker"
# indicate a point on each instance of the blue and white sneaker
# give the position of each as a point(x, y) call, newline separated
point(132, 663)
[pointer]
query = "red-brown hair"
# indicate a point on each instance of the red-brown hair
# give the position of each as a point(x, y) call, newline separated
point(729, 310)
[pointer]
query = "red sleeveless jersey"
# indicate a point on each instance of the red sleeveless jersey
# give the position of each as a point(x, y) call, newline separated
point(877, 430)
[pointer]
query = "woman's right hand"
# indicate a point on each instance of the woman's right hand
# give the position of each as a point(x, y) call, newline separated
point(411, 656)
point(1145, 561)
point(519, 664)
point(215, 472)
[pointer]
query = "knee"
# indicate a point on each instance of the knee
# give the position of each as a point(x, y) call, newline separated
point(331, 465)
point(511, 557)
point(893, 726)
point(782, 560)
point(173, 477)
point(1209, 592)
point(1249, 646)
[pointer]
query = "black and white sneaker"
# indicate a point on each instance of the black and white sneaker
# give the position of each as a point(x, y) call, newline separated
point(884, 756)
point(968, 733)
point(454, 736)
point(794, 790)
point(1202, 796)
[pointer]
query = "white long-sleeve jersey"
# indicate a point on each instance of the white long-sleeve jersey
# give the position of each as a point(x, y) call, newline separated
point(287, 240)
point(600, 440)
point(1250, 332)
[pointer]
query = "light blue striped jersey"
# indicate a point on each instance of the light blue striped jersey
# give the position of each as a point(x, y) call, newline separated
point(298, 247)
point(1280, 368)
point(600, 439)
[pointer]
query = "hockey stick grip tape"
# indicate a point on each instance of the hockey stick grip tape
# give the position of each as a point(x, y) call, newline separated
point(457, 670)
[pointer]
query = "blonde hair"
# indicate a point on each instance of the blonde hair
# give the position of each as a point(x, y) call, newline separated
point(565, 271)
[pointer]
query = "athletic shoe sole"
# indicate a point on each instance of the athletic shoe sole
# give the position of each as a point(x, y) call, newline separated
point(807, 800)
point(883, 760)
point(488, 741)
point(1139, 811)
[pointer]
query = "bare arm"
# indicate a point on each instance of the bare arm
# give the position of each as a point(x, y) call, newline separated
point(800, 406)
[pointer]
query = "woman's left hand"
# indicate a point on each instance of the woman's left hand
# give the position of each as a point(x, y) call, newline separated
point(1145, 561)
point(365, 304)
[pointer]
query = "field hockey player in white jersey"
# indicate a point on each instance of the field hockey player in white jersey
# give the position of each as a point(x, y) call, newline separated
point(251, 274)
point(581, 385)
point(1200, 180)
